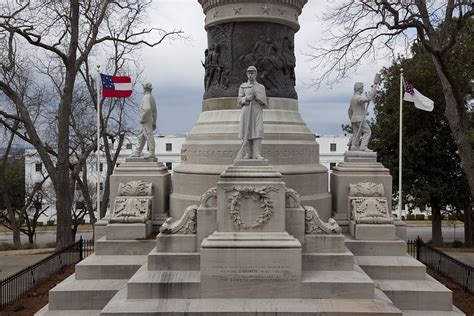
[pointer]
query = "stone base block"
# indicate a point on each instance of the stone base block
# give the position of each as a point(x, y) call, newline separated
point(100, 229)
point(176, 261)
point(376, 247)
point(324, 244)
point(250, 272)
point(176, 243)
point(123, 247)
point(343, 261)
point(129, 231)
point(392, 267)
point(401, 229)
point(372, 231)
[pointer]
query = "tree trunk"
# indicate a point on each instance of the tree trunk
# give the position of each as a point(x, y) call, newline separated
point(14, 226)
point(436, 232)
point(468, 218)
point(31, 237)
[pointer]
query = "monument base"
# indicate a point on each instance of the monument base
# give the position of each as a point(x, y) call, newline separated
point(372, 231)
point(128, 231)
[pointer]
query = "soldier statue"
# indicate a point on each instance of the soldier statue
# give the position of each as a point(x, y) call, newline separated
point(147, 123)
point(252, 98)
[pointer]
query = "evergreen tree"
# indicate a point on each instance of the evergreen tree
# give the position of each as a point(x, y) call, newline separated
point(432, 173)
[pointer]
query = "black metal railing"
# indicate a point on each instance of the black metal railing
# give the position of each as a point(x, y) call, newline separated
point(16, 285)
point(442, 263)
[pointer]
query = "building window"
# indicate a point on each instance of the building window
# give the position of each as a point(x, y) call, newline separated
point(101, 186)
point(39, 167)
point(128, 146)
point(169, 147)
point(169, 165)
point(333, 147)
point(332, 165)
point(79, 205)
point(101, 167)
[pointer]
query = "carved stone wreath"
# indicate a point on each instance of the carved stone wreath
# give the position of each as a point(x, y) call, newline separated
point(256, 194)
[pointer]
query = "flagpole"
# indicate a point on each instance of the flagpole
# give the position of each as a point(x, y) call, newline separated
point(98, 141)
point(400, 147)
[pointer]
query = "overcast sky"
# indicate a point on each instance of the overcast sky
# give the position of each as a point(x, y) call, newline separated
point(174, 68)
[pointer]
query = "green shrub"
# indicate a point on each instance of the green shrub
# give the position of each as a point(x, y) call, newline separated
point(458, 244)
point(50, 245)
point(40, 224)
point(430, 217)
point(410, 217)
point(420, 217)
point(50, 223)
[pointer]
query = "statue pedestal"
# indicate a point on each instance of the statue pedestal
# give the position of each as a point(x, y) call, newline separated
point(250, 255)
point(358, 166)
point(149, 170)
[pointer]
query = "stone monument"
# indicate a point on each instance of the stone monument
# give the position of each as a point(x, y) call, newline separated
point(252, 236)
point(242, 34)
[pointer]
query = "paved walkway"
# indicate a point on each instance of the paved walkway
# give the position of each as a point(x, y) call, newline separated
point(16, 260)
point(465, 257)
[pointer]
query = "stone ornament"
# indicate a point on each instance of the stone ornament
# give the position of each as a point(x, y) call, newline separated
point(133, 203)
point(209, 198)
point(185, 225)
point(314, 225)
point(135, 188)
point(368, 204)
point(292, 199)
point(369, 189)
point(259, 195)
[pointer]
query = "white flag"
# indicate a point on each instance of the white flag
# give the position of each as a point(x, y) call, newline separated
point(413, 95)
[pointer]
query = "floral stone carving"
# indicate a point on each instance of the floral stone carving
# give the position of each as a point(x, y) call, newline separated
point(133, 203)
point(256, 194)
point(368, 204)
point(185, 225)
point(315, 225)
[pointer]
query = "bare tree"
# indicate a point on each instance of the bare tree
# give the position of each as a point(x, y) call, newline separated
point(64, 33)
point(358, 29)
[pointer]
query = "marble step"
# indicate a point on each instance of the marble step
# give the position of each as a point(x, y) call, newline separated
point(121, 306)
point(173, 260)
point(392, 267)
point(72, 294)
point(109, 267)
point(328, 261)
point(164, 284)
point(337, 285)
point(376, 247)
point(46, 312)
point(425, 294)
point(123, 247)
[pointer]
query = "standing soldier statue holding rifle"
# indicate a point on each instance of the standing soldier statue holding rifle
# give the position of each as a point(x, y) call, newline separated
point(361, 131)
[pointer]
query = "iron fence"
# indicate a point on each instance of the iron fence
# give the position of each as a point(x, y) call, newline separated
point(14, 286)
point(444, 264)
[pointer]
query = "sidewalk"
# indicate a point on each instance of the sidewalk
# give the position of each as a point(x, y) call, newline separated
point(12, 261)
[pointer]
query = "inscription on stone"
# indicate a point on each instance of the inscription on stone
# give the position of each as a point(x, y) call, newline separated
point(252, 273)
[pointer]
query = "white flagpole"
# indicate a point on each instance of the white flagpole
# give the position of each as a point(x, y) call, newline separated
point(98, 140)
point(400, 147)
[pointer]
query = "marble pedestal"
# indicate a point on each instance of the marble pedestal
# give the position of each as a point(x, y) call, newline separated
point(149, 170)
point(357, 167)
point(250, 255)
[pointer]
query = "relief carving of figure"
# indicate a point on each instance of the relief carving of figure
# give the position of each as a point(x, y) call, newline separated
point(147, 123)
point(252, 98)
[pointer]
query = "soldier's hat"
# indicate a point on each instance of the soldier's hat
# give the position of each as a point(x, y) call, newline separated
point(252, 68)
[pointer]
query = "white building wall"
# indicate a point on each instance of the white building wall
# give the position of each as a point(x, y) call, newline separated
point(168, 151)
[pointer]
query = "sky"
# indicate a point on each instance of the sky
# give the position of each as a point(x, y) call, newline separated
point(174, 68)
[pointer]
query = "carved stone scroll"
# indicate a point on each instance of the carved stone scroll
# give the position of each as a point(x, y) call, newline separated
point(209, 198)
point(133, 203)
point(314, 224)
point(185, 225)
point(292, 199)
point(368, 204)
